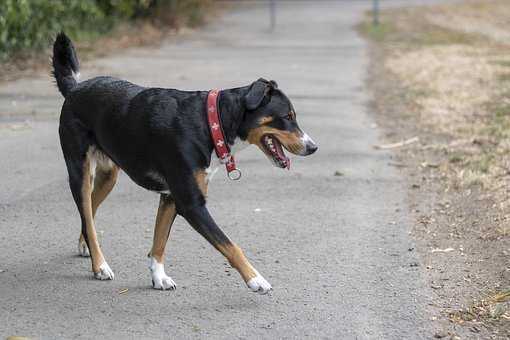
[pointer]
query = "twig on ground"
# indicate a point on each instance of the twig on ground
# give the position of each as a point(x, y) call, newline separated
point(396, 145)
point(397, 165)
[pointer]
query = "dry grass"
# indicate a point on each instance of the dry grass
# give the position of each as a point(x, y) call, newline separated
point(455, 79)
point(454, 64)
point(495, 307)
point(449, 67)
point(489, 18)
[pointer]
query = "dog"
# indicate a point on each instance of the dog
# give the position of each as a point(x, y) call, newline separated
point(161, 138)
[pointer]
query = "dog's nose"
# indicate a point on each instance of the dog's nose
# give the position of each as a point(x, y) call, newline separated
point(311, 148)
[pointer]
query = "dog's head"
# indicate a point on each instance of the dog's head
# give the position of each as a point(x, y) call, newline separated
point(270, 123)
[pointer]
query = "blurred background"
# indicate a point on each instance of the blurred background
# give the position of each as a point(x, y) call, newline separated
point(397, 228)
point(29, 25)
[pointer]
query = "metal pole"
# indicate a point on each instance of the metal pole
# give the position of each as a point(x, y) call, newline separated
point(272, 8)
point(375, 11)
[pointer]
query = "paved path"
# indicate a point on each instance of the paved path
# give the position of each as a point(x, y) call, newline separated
point(335, 248)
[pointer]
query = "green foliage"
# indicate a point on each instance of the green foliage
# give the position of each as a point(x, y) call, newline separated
point(31, 24)
point(125, 8)
point(378, 32)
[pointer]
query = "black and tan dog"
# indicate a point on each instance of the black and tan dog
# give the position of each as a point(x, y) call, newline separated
point(161, 139)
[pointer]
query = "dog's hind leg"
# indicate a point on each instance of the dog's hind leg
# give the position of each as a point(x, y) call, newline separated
point(106, 174)
point(104, 181)
point(75, 146)
point(101, 269)
point(164, 220)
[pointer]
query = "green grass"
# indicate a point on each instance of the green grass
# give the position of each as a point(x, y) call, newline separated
point(378, 33)
point(483, 163)
point(440, 36)
point(418, 32)
point(504, 77)
point(456, 157)
point(504, 63)
point(498, 125)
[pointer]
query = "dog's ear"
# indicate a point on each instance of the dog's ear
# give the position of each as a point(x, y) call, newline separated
point(258, 91)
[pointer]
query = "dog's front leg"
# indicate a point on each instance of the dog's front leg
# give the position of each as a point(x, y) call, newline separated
point(200, 219)
point(164, 220)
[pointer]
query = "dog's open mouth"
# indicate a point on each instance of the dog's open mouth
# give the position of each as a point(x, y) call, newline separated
point(274, 150)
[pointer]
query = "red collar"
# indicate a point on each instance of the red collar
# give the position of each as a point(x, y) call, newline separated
point(220, 143)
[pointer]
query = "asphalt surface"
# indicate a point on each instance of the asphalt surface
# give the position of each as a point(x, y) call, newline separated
point(335, 248)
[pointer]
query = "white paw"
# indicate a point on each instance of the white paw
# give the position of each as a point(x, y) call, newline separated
point(159, 278)
point(163, 282)
point(259, 284)
point(83, 250)
point(105, 272)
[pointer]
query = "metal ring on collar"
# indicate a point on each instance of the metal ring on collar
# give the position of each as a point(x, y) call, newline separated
point(234, 174)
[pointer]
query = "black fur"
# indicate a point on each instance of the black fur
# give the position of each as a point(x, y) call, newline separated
point(147, 131)
point(65, 64)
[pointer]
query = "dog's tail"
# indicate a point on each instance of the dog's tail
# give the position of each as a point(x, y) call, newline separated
point(66, 69)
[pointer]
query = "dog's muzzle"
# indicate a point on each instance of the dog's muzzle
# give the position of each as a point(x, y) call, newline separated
point(309, 145)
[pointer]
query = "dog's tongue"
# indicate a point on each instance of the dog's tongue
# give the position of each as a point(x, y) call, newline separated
point(281, 154)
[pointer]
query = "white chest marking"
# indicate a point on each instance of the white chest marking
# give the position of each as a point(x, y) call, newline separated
point(215, 162)
point(213, 167)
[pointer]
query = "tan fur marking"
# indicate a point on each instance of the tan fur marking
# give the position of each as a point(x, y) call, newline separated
point(237, 260)
point(86, 196)
point(164, 220)
point(106, 173)
point(290, 140)
point(265, 120)
point(82, 240)
point(201, 179)
point(104, 181)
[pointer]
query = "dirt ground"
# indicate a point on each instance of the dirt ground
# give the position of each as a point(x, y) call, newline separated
point(441, 80)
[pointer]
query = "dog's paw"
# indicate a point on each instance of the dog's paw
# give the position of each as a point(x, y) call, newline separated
point(105, 272)
point(83, 249)
point(160, 280)
point(259, 285)
point(163, 282)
